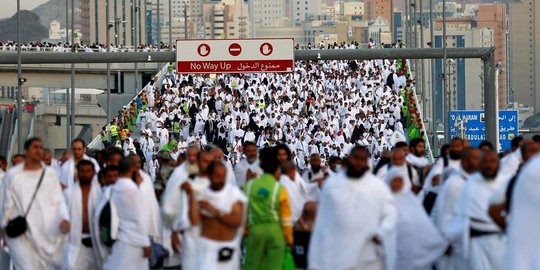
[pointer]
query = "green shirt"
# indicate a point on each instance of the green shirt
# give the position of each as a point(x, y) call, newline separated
point(263, 199)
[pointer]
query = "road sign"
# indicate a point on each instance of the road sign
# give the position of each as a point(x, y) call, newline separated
point(471, 126)
point(266, 49)
point(235, 49)
point(235, 56)
point(203, 50)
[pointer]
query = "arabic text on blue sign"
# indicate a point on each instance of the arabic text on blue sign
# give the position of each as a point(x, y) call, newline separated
point(471, 124)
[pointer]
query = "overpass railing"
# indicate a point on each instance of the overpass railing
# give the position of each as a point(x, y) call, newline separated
point(429, 150)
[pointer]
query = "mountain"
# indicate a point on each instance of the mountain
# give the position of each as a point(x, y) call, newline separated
point(31, 28)
point(56, 10)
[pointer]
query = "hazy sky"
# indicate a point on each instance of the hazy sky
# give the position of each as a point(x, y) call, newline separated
point(9, 7)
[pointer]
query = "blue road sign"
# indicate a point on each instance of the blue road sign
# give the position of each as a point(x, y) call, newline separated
point(471, 126)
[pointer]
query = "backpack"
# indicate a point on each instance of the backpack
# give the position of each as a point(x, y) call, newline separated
point(431, 197)
point(105, 225)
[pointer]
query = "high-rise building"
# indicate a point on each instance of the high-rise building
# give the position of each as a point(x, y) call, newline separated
point(268, 12)
point(226, 19)
point(523, 56)
point(463, 75)
point(493, 16)
point(127, 18)
point(300, 8)
point(376, 8)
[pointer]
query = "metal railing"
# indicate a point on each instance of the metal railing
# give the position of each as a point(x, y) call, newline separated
point(82, 49)
point(12, 140)
point(429, 150)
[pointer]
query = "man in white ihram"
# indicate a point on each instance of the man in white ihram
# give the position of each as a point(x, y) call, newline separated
point(248, 168)
point(220, 213)
point(484, 246)
point(447, 207)
point(132, 248)
point(82, 198)
point(68, 171)
point(356, 213)
point(40, 247)
point(171, 206)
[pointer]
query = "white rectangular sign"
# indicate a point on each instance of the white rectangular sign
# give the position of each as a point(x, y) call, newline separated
point(235, 55)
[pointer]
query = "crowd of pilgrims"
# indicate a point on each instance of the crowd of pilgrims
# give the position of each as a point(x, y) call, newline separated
point(473, 208)
point(323, 107)
point(309, 170)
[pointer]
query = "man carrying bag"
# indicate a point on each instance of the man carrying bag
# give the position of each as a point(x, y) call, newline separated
point(35, 216)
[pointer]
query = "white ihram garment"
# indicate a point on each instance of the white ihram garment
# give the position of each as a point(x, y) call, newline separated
point(127, 251)
point(419, 243)
point(523, 250)
point(207, 249)
point(76, 254)
point(338, 242)
point(487, 251)
point(447, 207)
point(41, 247)
point(67, 172)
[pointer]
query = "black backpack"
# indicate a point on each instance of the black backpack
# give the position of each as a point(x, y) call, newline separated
point(105, 226)
point(431, 197)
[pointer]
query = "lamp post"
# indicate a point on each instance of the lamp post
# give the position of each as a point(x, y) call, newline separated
point(158, 28)
point(433, 89)
point(445, 90)
point(19, 79)
point(135, 42)
point(72, 122)
point(108, 25)
point(170, 25)
point(185, 21)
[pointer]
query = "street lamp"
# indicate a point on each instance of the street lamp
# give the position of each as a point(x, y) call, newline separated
point(72, 122)
point(135, 43)
point(109, 26)
point(170, 25)
point(19, 79)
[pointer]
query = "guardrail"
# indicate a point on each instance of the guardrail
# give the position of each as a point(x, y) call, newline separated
point(83, 50)
point(12, 140)
point(31, 132)
point(419, 108)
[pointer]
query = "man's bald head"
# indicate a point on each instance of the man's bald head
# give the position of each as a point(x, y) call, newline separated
point(310, 211)
point(489, 164)
point(456, 147)
point(470, 159)
point(529, 148)
point(288, 168)
point(218, 154)
point(398, 157)
point(47, 156)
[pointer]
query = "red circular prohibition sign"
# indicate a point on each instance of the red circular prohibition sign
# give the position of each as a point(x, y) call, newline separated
point(235, 49)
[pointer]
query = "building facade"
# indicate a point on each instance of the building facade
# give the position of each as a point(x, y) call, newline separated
point(126, 19)
point(267, 13)
point(493, 16)
point(523, 56)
